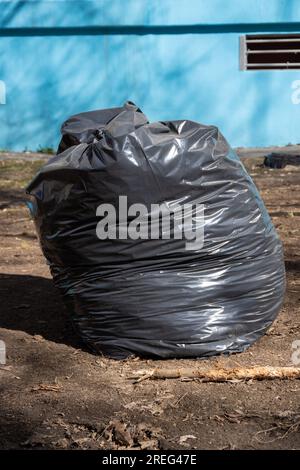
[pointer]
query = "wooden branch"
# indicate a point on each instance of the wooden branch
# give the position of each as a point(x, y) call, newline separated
point(221, 374)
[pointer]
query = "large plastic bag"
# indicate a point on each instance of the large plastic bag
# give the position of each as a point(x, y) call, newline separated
point(169, 296)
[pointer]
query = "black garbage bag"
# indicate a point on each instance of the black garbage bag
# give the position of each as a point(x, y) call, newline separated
point(157, 237)
point(277, 160)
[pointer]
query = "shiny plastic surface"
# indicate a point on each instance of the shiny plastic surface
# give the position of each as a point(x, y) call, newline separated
point(154, 297)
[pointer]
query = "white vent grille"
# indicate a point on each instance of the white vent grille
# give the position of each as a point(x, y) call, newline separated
point(270, 52)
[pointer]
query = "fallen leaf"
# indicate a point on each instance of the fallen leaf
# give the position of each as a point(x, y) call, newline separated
point(46, 388)
point(183, 439)
point(149, 444)
point(118, 432)
point(38, 338)
point(62, 443)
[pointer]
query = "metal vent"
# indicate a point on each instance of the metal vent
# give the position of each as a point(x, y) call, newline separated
point(270, 52)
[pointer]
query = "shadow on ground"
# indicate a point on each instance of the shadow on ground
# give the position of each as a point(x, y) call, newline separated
point(33, 305)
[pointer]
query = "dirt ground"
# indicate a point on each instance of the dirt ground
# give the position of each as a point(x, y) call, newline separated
point(54, 394)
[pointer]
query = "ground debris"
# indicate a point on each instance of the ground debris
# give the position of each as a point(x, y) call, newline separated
point(126, 436)
point(183, 439)
point(235, 416)
point(38, 338)
point(10, 370)
point(118, 432)
point(46, 388)
point(280, 430)
point(220, 374)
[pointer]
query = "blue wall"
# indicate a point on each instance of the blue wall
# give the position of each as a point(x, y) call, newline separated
point(170, 76)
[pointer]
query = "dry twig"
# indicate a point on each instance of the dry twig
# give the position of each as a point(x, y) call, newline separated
point(221, 374)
